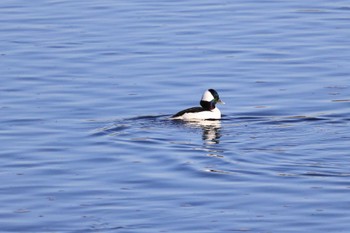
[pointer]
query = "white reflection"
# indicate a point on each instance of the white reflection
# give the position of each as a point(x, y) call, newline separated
point(211, 130)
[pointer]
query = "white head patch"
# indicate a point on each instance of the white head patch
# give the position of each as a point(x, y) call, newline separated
point(207, 96)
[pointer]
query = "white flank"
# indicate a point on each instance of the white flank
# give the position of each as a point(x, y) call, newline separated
point(214, 114)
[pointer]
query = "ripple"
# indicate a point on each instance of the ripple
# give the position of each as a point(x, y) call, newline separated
point(341, 100)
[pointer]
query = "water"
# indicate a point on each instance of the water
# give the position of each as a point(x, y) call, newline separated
point(87, 88)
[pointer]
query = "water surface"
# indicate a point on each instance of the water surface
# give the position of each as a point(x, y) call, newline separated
point(88, 87)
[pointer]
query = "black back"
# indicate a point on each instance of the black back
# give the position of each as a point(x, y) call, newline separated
point(189, 110)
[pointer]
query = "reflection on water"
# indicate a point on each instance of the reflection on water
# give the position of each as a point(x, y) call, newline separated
point(211, 130)
point(210, 135)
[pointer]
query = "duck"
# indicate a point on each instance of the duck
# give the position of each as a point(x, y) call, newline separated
point(206, 111)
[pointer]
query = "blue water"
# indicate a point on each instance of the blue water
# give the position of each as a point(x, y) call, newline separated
point(87, 88)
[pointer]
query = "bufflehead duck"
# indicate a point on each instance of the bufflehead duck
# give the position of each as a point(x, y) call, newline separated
point(208, 111)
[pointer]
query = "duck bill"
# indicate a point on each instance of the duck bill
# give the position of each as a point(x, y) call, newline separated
point(221, 102)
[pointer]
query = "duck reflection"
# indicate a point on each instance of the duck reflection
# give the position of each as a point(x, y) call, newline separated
point(210, 128)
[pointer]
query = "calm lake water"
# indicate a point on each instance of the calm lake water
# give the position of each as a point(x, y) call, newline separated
point(88, 86)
